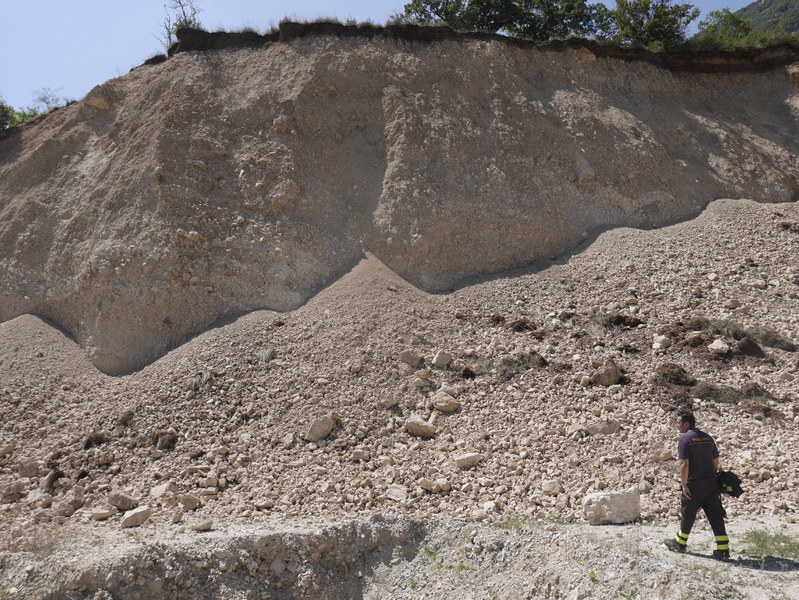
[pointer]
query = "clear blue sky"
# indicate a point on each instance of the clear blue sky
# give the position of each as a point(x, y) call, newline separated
point(69, 46)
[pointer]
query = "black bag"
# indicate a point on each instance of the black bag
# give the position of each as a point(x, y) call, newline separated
point(729, 483)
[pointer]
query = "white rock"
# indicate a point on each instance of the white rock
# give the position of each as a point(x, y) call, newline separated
point(442, 359)
point(617, 507)
point(398, 493)
point(719, 347)
point(360, 455)
point(162, 490)
point(101, 514)
point(136, 517)
point(445, 403)
point(551, 487)
point(661, 342)
point(320, 428)
point(416, 425)
point(388, 401)
point(468, 460)
point(122, 500)
point(442, 484)
point(189, 502)
point(603, 427)
point(203, 525)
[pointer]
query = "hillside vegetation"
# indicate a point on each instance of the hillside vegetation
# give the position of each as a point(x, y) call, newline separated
point(772, 15)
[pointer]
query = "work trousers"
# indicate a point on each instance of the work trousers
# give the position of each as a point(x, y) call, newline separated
point(707, 497)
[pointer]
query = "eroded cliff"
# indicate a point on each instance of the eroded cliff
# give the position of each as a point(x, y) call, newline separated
point(220, 182)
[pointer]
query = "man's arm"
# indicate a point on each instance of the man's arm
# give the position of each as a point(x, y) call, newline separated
point(716, 465)
point(684, 477)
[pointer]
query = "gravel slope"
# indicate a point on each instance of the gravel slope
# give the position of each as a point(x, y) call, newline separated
point(221, 422)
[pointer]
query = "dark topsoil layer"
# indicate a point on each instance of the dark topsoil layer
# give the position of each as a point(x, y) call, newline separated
point(703, 62)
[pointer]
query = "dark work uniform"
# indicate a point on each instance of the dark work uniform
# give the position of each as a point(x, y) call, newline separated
point(699, 449)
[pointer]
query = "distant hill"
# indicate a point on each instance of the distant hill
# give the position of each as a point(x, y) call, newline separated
point(772, 15)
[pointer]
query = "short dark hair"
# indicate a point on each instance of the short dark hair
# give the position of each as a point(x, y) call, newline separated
point(688, 417)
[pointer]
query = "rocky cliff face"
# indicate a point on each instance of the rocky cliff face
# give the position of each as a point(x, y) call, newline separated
point(216, 183)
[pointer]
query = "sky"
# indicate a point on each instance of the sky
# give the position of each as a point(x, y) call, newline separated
point(65, 48)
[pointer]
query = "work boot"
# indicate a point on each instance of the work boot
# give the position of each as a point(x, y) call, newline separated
point(674, 545)
point(721, 555)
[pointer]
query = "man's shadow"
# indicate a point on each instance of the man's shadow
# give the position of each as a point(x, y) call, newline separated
point(766, 563)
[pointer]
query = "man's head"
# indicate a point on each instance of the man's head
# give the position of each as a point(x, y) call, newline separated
point(686, 421)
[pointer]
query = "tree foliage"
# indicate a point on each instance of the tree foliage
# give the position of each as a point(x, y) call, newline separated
point(546, 19)
point(641, 23)
point(723, 29)
point(464, 15)
point(180, 14)
point(654, 24)
point(44, 100)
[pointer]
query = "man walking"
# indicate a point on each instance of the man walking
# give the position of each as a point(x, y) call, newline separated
point(698, 459)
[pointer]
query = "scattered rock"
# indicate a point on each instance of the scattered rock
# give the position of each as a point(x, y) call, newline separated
point(163, 489)
point(321, 428)
point(442, 359)
point(719, 347)
point(416, 425)
point(136, 517)
point(411, 358)
point(189, 502)
point(551, 487)
point(467, 461)
point(604, 508)
point(206, 524)
point(122, 500)
point(608, 374)
point(398, 493)
point(445, 403)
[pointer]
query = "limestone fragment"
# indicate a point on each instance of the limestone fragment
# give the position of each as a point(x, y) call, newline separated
point(163, 489)
point(321, 428)
point(136, 517)
point(122, 500)
point(101, 514)
point(411, 358)
point(189, 502)
point(445, 403)
point(468, 460)
point(616, 507)
point(398, 493)
point(607, 375)
point(551, 487)
point(203, 525)
point(719, 347)
point(442, 359)
point(416, 425)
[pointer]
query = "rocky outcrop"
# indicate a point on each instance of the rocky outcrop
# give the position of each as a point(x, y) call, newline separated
point(213, 184)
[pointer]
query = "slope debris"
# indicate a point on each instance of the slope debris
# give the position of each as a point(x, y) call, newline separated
point(363, 317)
point(212, 439)
point(217, 183)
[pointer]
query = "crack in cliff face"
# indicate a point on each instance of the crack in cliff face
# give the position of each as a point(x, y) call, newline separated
point(218, 183)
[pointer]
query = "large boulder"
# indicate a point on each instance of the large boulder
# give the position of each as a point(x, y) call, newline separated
point(618, 507)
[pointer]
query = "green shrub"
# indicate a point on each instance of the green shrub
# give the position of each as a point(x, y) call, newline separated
point(761, 543)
